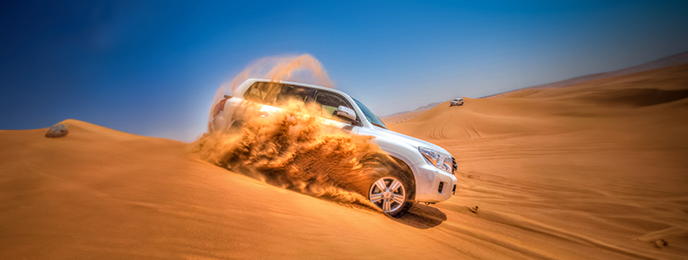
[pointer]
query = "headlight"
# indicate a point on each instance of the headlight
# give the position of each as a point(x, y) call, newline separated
point(437, 159)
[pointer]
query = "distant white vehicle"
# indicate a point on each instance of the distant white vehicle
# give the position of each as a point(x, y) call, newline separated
point(456, 102)
point(423, 172)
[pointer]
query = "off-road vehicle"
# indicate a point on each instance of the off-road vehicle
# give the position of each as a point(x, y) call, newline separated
point(422, 172)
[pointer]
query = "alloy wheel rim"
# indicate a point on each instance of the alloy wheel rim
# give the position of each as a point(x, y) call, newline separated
point(388, 194)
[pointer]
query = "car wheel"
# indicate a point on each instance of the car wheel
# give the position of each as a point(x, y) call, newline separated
point(383, 176)
point(389, 194)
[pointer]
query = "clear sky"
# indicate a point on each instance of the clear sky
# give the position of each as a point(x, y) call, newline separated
point(152, 67)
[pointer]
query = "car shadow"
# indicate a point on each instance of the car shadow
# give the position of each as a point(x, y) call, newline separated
point(422, 217)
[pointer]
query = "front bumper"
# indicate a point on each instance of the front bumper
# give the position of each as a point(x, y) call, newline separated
point(432, 184)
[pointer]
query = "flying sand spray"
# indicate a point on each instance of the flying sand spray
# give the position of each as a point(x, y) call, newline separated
point(294, 149)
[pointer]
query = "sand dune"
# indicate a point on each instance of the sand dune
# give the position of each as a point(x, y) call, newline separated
point(600, 164)
point(396, 119)
point(399, 117)
point(99, 193)
point(592, 171)
point(673, 60)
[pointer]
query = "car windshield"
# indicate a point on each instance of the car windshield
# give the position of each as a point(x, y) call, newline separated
point(372, 118)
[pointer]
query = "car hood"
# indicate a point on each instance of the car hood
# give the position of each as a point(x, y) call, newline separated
point(382, 133)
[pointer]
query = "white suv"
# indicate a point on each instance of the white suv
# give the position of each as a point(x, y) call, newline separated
point(456, 102)
point(426, 173)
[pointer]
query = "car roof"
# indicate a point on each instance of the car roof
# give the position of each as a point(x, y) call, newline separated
point(250, 82)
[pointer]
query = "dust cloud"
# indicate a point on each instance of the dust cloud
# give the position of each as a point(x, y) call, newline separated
point(293, 149)
point(302, 68)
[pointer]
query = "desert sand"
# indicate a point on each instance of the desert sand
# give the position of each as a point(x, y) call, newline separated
point(593, 170)
point(597, 170)
point(396, 119)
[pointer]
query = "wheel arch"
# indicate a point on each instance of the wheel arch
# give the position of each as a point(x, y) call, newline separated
point(408, 172)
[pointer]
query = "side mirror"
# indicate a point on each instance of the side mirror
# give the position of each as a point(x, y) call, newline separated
point(347, 113)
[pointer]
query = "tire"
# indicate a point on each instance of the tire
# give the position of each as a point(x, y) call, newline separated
point(390, 194)
point(390, 186)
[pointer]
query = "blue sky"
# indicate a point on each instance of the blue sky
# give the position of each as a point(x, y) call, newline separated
point(152, 67)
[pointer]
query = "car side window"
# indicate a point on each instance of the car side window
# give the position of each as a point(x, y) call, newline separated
point(294, 93)
point(328, 103)
point(263, 92)
point(276, 94)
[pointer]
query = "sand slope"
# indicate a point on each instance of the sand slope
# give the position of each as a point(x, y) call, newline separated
point(585, 172)
point(601, 163)
point(99, 193)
